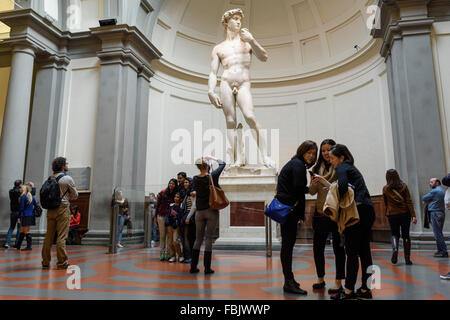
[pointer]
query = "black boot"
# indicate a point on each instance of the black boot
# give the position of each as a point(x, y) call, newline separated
point(19, 244)
point(194, 262)
point(290, 286)
point(207, 262)
point(407, 248)
point(29, 240)
point(394, 249)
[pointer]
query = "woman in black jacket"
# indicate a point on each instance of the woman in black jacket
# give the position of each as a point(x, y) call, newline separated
point(291, 190)
point(206, 219)
point(357, 237)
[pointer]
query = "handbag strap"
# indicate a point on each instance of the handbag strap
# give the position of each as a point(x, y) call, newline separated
point(398, 194)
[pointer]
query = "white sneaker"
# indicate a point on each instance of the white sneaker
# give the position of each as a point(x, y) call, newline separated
point(445, 276)
point(172, 259)
point(119, 245)
point(180, 259)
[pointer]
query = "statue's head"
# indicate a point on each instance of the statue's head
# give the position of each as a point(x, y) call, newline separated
point(230, 14)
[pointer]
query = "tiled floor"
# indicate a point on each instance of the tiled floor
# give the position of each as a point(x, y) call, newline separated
point(135, 273)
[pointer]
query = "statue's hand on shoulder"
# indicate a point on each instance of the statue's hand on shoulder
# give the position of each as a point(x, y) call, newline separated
point(215, 100)
point(246, 35)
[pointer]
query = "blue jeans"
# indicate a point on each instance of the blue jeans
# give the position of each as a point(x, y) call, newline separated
point(437, 222)
point(120, 225)
point(155, 232)
point(12, 225)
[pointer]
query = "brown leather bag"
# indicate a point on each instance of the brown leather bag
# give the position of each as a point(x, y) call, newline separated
point(217, 197)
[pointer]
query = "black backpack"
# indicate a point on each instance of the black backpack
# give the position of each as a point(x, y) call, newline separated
point(50, 193)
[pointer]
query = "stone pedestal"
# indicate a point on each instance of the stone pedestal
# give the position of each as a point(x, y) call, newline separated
point(242, 223)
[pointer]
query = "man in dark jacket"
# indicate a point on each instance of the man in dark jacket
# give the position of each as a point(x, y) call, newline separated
point(14, 196)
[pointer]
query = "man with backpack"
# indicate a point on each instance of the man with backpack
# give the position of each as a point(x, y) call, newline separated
point(55, 195)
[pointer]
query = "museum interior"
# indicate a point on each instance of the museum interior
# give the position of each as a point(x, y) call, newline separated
point(120, 89)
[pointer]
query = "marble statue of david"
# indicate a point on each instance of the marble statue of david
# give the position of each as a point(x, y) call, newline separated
point(235, 54)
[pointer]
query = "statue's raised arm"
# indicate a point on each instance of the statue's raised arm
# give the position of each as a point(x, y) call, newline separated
point(257, 49)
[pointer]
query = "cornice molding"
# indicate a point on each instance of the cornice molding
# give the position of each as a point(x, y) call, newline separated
point(112, 44)
point(394, 27)
point(126, 43)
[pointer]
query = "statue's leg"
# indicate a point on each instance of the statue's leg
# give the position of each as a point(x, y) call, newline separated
point(229, 109)
point(245, 103)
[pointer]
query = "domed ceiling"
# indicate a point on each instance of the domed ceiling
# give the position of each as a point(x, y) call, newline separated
point(302, 37)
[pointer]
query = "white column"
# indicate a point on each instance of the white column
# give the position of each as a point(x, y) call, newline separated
point(13, 141)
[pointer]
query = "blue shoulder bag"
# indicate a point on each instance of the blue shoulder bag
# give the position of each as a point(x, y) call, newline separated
point(278, 211)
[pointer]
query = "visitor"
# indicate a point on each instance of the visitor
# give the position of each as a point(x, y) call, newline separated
point(58, 220)
point(173, 223)
point(75, 219)
point(357, 236)
point(400, 211)
point(123, 207)
point(14, 205)
point(323, 175)
point(164, 199)
point(185, 227)
point(436, 206)
point(26, 216)
point(291, 190)
point(206, 218)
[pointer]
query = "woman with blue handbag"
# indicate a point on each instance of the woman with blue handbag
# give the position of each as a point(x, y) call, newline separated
point(291, 190)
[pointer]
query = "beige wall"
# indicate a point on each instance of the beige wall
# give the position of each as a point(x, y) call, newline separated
point(4, 80)
point(5, 5)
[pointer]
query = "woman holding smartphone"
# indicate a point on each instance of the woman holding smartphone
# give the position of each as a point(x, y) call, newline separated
point(357, 237)
point(322, 175)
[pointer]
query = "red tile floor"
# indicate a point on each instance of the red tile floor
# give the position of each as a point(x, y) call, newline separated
point(135, 273)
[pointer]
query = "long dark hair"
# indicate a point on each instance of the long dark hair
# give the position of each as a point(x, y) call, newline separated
point(174, 190)
point(321, 160)
point(304, 148)
point(340, 150)
point(393, 180)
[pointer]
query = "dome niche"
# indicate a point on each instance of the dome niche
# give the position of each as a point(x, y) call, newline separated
point(302, 37)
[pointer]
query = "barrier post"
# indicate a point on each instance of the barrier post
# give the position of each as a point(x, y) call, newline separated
point(148, 226)
point(268, 229)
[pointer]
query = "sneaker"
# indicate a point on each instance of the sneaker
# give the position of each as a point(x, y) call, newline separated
point(6, 246)
point(363, 295)
point(180, 259)
point(119, 245)
point(167, 257)
point(344, 296)
point(173, 259)
point(441, 255)
point(187, 261)
point(319, 285)
point(445, 276)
